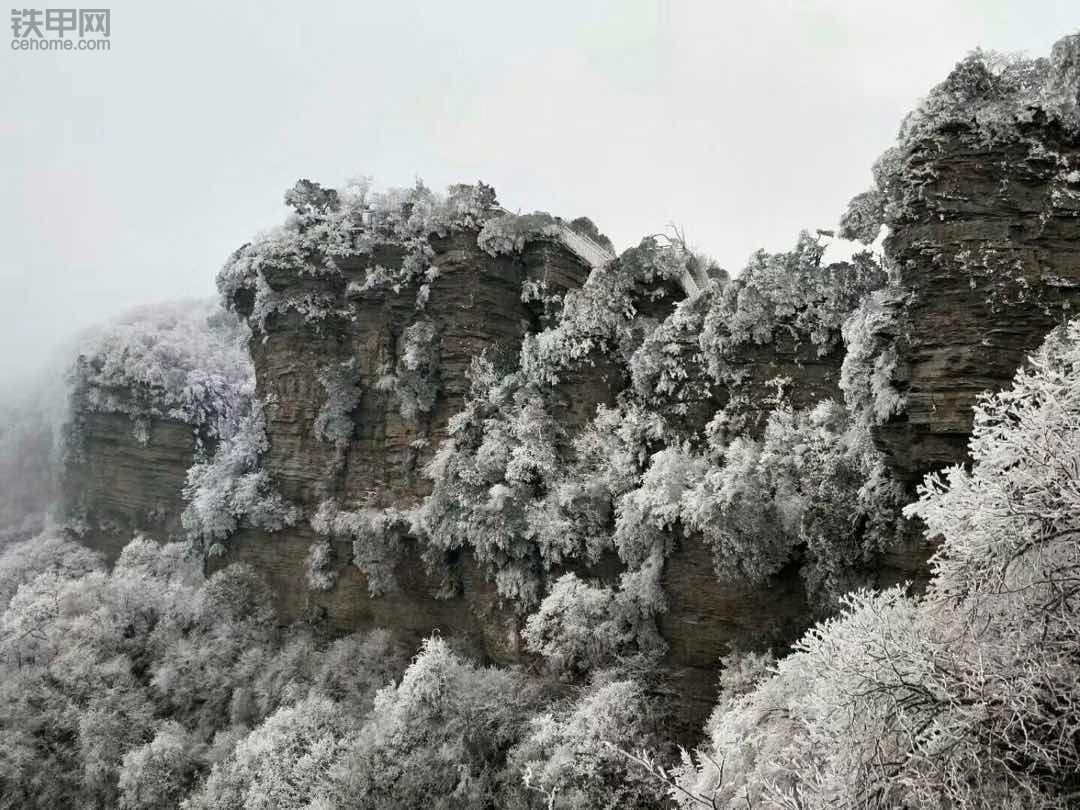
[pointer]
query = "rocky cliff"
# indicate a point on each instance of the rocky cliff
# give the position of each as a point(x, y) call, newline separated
point(982, 197)
point(461, 424)
point(473, 307)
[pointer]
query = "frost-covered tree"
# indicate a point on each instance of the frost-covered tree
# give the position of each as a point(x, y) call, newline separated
point(601, 319)
point(489, 475)
point(572, 755)
point(965, 697)
point(864, 217)
point(791, 294)
point(377, 540)
point(122, 688)
point(328, 225)
point(438, 739)
point(282, 763)
point(867, 375)
point(230, 487)
point(416, 379)
point(161, 772)
point(185, 360)
point(341, 382)
point(582, 626)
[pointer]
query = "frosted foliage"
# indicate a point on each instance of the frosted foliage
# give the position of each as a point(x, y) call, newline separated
point(668, 367)
point(785, 294)
point(989, 93)
point(965, 697)
point(437, 740)
point(813, 482)
point(161, 772)
point(864, 217)
point(185, 361)
point(1061, 91)
point(489, 476)
point(281, 764)
point(341, 382)
point(646, 515)
point(582, 626)
point(599, 318)
point(49, 551)
point(572, 755)
point(231, 487)
point(509, 233)
point(321, 575)
point(122, 688)
point(741, 673)
point(866, 377)
point(330, 225)
point(416, 381)
point(377, 540)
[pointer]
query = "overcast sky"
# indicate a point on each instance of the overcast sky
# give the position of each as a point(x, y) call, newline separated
point(130, 175)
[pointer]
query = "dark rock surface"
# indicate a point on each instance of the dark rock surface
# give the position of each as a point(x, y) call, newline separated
point(115, 486)
point(987, 245)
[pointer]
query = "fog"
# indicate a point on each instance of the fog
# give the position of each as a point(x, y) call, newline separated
point(131, 174)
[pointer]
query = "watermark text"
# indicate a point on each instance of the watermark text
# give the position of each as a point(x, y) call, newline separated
point(61, 29)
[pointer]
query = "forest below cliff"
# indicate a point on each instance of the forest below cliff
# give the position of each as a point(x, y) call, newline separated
point(440, 505)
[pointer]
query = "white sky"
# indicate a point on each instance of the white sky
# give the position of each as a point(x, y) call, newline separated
point(130, 175)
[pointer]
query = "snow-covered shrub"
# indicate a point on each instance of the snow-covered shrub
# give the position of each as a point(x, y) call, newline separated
point(582, 626)
point(341, 381)
point(329, 225)
point(572, 754)
point(785, 294)
point(439, 739)
point(321, 575)
point(416, 380)
point(231, 487)
point(866, 377)
point(377, 536)
point(510, 232)
point(599, 318)
point(668, 367)
point(185, 361)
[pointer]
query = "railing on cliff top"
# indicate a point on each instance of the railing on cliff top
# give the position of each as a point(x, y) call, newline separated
point(596, 255)
point(586, 249)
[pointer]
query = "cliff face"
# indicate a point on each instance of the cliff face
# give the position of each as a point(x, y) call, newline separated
point(117, 484)
point(990, 252)
point(985, 216)
point(362, 342)
point(473, 307)
point(151, 391)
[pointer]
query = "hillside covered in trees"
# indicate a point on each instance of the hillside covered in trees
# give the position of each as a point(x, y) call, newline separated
point(440, 505)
